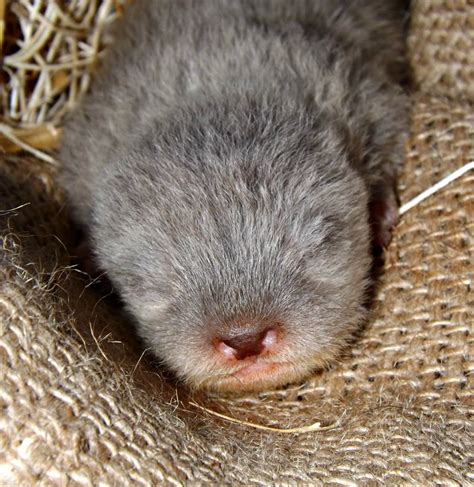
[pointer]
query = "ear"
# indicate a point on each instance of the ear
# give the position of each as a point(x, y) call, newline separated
point(383, 214)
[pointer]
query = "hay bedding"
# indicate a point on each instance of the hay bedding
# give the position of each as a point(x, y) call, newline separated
point(49, 48)
point(81, 405)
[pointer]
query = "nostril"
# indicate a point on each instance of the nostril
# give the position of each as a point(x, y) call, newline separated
point(247, 344)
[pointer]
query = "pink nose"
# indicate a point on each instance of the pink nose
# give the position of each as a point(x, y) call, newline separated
point(248, 344)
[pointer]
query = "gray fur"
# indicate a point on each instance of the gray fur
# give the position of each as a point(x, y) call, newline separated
point(223, 163)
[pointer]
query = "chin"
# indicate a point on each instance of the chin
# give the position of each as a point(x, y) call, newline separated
point(254, 376)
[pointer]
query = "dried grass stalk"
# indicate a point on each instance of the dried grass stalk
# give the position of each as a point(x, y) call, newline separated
point(2, 23)
point(49, 49)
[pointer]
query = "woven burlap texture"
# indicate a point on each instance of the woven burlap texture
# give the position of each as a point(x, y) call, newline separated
point(442, 47)
point(81, 406)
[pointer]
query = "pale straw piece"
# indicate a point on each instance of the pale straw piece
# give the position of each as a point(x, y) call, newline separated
point(436, 187)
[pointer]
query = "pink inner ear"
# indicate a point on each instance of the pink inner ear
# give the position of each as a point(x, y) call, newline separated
point(383, 218)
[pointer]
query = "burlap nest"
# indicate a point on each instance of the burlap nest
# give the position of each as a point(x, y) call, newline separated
point(81, 406)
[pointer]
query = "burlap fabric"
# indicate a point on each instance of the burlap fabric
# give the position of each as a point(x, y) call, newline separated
point(81, 406)
point(442, 47)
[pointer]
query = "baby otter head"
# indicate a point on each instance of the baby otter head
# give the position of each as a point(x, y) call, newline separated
point(242, 251)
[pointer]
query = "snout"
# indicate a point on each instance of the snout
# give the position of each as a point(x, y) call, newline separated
point(252, 356)
point(247, 343)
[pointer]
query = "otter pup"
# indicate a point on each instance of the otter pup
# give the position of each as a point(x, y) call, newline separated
point(233, 165)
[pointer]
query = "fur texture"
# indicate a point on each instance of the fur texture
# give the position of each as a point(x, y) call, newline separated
point(224, 164)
